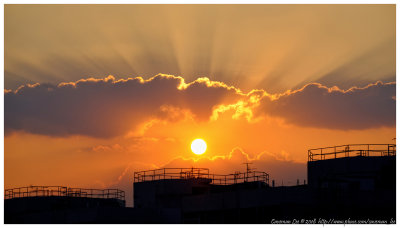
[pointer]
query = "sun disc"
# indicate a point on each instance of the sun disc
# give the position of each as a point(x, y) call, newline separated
point(199, 146)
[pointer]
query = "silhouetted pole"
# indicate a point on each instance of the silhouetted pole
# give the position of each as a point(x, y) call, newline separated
point(247, 171)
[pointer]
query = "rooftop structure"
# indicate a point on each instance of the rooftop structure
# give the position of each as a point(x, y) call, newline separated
point(200, 174)
point(60, 204)
point(351, 150)
point(361, 166)
point(61, 191)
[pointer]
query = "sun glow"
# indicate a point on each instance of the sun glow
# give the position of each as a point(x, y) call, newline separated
point(199, 146)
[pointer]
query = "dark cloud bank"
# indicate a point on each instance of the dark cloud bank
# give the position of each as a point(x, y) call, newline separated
point(109, 107)
point(106, 107)
point(318, 106)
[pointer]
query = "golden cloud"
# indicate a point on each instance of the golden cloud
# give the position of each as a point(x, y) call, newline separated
point(109, 107)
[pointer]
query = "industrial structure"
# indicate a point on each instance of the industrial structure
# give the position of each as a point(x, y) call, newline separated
point(344, 182)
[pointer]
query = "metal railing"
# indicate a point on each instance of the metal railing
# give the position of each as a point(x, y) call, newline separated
point(200, 173)
point(45, 191)
point(351, 150)
point(171, 173)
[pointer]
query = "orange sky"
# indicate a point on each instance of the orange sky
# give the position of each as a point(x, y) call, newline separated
point(96, 133)
point(257, 83)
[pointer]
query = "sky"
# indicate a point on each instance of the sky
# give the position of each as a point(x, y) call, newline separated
point(94, 93)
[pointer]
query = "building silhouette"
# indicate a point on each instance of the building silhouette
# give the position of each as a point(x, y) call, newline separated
point(356, 182)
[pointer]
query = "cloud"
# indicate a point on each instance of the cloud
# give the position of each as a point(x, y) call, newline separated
point(316, 105)
point(108, 107)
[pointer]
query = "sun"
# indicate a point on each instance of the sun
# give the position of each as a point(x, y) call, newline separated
point(199, 146)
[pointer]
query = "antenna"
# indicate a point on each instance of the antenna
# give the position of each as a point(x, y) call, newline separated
point(248, 170)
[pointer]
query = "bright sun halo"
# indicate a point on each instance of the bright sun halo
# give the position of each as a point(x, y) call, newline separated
point(199, 146)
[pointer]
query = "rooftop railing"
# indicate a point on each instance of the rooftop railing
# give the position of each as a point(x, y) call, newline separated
point(45, 191)
point(200, 173)
point(352, 150)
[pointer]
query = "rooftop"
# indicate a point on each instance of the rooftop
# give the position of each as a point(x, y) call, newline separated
point(61, 191)
point(352, 150)
point(200, 173)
